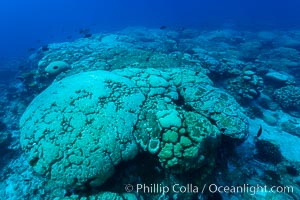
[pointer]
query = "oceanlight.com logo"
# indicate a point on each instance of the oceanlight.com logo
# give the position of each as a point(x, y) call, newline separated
point(211, 188)
point(251, 189)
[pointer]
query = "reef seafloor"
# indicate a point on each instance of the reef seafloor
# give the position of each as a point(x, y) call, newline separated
point(155, 114)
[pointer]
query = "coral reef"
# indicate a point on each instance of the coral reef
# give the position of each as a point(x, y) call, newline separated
point(104, 196)
point(292, 170)
point(246, 87)
point(81, 127)
point(159, 113)
point(288, 97)
point(2, 126)
point(268, 152)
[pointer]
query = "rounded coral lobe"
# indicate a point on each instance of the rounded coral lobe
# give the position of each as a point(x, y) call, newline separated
point(80, 128)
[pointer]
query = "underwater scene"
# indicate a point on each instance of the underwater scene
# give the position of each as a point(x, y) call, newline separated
point(150, 100)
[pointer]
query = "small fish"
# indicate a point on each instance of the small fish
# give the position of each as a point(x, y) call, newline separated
point(84, 31)
point(81, 31)
point(162, 27)
point(87, 35)
point(259, 131)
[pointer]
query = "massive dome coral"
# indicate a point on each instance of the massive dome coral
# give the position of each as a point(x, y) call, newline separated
point(78, 129)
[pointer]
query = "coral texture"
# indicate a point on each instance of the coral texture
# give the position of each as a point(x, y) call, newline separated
point(288, 97)
point(81, 127)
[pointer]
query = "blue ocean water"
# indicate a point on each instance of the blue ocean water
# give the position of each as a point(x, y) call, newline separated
point(32, 23)
point(149, 99)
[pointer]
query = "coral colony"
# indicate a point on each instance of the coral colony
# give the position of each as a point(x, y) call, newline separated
point(155, 114)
